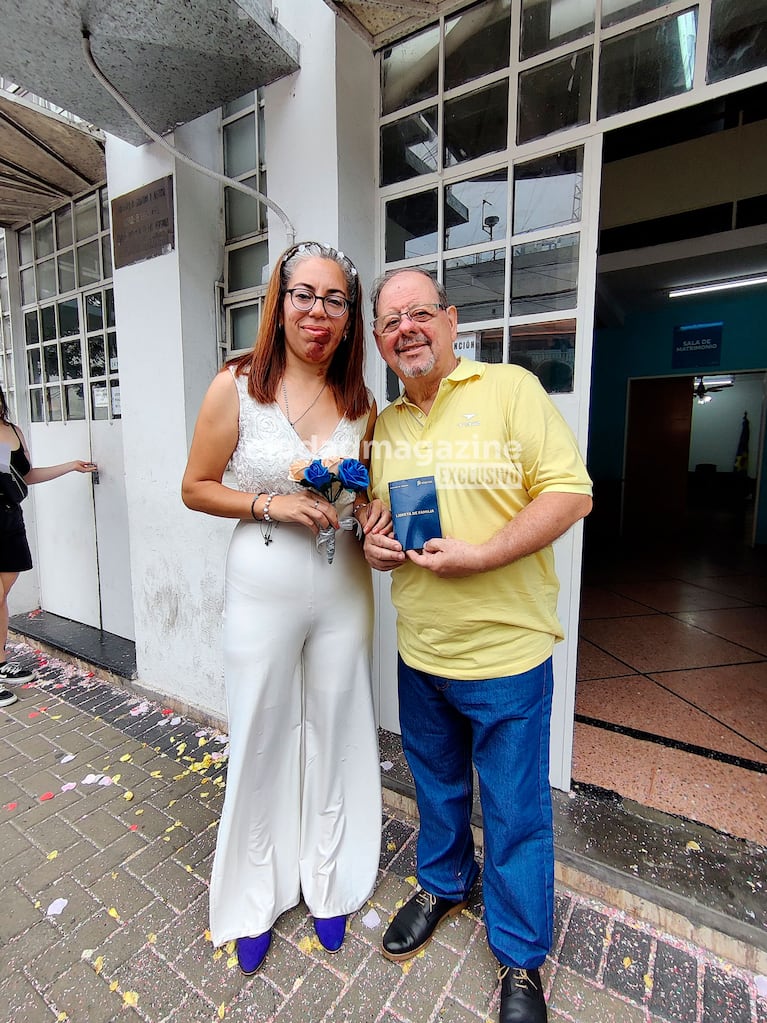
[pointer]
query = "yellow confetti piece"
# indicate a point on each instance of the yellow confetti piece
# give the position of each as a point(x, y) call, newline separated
point(57, 717)
point(62, 1016)
point(130, 998)
point(114, 914)
point(156, 774)
point(627, 961)
point(207, 935)
point(181, 748)
point(52, 855)
point(204, 795)
point(230, 946)
point(128, 795)
point(202, 741)
point(218, 953)
point(407, 966)
point(116, 778)
point(114, 985)
point(231, 962)
point(139, 812)
point(38, 904)
point(647, 981)
point(222, 1010)
point(305, 944)
point(188, 868)
point(98, 964)
point(166, 838)
point(152, 939)
point(412, 880)
point(693, 846)
point(391, 846)
point(172, 803)
point(126, 757)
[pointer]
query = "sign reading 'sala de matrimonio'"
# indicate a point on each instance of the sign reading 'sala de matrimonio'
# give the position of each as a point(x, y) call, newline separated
point(699, 344)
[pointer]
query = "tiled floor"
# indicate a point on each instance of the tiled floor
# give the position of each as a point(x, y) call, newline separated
point(671, 701)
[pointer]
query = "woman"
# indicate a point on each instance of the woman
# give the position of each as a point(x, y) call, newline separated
point(14, 549)
point(302, 812)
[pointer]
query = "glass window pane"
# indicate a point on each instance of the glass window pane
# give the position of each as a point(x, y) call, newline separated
point(554, 96)
point(409, 147)
point(46, 279)
point(477, 42)
point(106, 254)
point(546, 349)
point(475, 210)
point(25, 245)
point(51, 363)
point(48, 317)
point(104, 203)
point(411, 225)
point(647, 65)
point(94, 314)
point(243, 216)
point(69, 318)
point(114, 365)
point(99, 401)
point(240, 146)
point(476, 124)
point(616, 11)
point(248, 267)
point(244, 321)
point(738, 40)
point(64, 227)
point(65, 264)
point(410, 71)
point(475, 285)
point(31, 328)
point(242, 103)
point(88, 265)
point(86, 218)
point(114, 396)
point(548, 191)
point(34, 366)
point(44, 238)
point(28, 293)
point(544, 276)
point(72, 360)
point(546, 25)
point(489, 346)
point(74, 401)
point(96, 358)
point(36, 413)
point(53, 404)
point(109, 302)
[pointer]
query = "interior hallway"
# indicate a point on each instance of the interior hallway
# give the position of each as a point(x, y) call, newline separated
point(671, 699)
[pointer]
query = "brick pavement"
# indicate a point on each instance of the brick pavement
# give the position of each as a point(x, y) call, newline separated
point(108, 813)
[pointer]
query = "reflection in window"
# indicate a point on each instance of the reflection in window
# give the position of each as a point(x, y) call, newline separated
point(475, 285)
point(409, 71)
point(489, 346)
point(244, 326)
point(647, 65)
point(616, 11)
point(46, 279)
point(74, 401)
point(65, 264)
point(546, 25)
point(244, 214)
point(94, 317)
point(477, 42)
point(64, 235)
point(411, 225)
point(36, 413)
point(31, 329)
point(247, 266)
point(548, 191)
point(51, 362)
point(475, 210)
point(48, 317)
point(53, 404)
point(409, 147)
point(544, 276)
point(43, 238)
point(477, 123)
point(96, 359)
point(239, 146)
point(69, 318)
point(88, 265)
point(554, 96)
point(34, 366)
point(738, 40)
point(72, 360)
point(548, 350)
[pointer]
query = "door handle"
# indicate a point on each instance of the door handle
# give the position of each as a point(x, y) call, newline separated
point(95, 476)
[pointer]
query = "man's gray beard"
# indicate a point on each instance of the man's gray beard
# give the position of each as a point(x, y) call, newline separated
point(417, 371)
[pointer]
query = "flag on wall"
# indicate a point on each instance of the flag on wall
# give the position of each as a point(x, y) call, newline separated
point(741, 455)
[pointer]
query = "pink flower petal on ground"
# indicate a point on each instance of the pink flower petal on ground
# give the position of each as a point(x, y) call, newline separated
point(10, 806)
point(68, 786)
point(46, 795)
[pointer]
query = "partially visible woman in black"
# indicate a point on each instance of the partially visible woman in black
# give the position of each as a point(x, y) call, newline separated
point(15, 464)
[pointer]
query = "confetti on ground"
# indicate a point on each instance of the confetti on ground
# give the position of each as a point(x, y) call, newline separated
point(371, 919)
point(130, 998)
point(66, 759)
point(52, 855)
point(45, 796)
point(68, 786)
point(386, 765)
point(57, 907)
point(10, 806)
point(91, 779)
point(693, 846)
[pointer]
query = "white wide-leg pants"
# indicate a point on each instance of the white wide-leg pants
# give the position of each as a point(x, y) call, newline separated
point(302, 810)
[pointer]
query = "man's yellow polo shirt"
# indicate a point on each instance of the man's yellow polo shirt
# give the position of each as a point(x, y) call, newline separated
point(494, 441)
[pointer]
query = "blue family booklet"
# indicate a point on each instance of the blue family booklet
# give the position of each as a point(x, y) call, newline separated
point(415, 511)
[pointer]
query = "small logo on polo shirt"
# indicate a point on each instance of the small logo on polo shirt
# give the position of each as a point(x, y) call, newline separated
point(469, 419)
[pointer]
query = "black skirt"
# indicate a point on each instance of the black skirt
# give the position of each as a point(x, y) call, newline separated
point(14, 549)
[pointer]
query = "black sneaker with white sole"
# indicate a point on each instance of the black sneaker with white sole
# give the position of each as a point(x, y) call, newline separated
point(15, 674)
point(7, 698)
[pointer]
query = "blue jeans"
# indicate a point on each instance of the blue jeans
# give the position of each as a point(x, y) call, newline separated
point(502, 724)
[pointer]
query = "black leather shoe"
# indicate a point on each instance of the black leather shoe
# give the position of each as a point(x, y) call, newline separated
point(522, 998)
point(412, 928)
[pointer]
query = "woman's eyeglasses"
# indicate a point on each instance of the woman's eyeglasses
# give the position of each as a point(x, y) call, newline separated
point(305, 300)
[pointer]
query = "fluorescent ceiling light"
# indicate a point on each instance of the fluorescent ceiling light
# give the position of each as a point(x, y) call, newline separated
point(702, 289)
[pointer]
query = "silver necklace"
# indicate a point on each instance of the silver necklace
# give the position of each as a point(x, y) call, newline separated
point(311, 406)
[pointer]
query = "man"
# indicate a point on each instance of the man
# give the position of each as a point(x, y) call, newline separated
point(476, 624)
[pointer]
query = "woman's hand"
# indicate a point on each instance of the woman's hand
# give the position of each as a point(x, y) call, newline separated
point(79, 466)
point(306, 508)
point(375, 517)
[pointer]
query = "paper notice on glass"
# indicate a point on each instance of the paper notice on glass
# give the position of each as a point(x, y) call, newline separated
point(415, 511)
point(5, 457)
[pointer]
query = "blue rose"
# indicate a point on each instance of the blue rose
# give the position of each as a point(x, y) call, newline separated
point(353, 474)
point(316, 475)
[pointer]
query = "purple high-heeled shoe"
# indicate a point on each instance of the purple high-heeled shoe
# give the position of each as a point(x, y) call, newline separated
point(251, 952)
point(330, 930)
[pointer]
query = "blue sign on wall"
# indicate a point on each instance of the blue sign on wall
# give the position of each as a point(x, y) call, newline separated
point(697, 345)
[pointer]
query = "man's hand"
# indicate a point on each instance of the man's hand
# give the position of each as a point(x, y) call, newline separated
point(383, 552)
point(448, 558)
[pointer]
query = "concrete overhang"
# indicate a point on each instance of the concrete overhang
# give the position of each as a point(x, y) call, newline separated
point(44, 160)
point(173, 60)
point(382, 22)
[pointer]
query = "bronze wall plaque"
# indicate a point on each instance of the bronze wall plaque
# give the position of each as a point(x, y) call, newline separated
point(142, 223)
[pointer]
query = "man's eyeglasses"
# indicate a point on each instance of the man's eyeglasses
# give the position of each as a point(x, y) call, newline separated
point(304, 300)
point(416, 314)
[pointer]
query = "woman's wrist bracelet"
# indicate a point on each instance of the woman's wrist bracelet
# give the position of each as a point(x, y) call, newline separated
point(266, 516)
point(253, 508)
point(362, 504)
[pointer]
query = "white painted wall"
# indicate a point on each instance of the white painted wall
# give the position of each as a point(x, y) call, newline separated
point(715, 430)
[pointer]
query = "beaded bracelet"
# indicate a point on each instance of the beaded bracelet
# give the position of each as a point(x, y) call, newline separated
point(253, 507)
point(266, 516)
point(362, 504)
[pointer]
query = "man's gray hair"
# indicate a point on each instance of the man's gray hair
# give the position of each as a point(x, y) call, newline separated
point(379, 282)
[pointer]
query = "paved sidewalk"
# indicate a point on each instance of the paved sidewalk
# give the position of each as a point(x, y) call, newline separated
point(108, 813)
